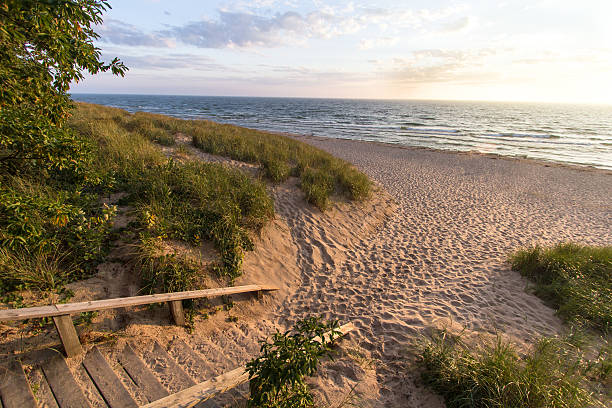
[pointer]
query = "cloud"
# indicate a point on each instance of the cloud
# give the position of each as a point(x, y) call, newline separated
point(174, 62)
point(441, 65)
point(117, 32)
point(241, 29)
point(461, 24)
point(381, 42)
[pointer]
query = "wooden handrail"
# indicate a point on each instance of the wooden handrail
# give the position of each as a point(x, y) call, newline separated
point(192, 396)
point(65, 327)
point(94, 305)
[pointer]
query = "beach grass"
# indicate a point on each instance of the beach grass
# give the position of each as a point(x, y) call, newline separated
point(574, 279)
point(190, 202)
point(321, 175)
point(55, 229)
point(495, 373)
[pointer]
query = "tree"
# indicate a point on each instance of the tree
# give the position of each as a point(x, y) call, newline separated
point(45, 45)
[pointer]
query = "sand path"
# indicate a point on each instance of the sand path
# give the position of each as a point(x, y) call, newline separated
point(441, 254)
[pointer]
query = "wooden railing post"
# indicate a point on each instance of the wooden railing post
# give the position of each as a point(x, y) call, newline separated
point(68, 335)
point(176, 308)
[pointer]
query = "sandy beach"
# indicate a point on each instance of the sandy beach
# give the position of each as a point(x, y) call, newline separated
point(428, 250)
point(441, 255)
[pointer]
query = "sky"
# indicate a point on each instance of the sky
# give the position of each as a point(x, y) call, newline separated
point(535, 50)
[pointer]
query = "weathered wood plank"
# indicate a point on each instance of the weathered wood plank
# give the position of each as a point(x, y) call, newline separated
point(65, 389)
point(68, 335)
point(141, 375)
point(171, 365)
point(14, 388)
point(196, 366)
point(176, 309)
point(191, 396)
point(107, 382)
point(74, 308)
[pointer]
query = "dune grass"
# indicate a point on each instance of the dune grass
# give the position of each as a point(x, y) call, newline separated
point(191, 201)
point(574, 279)
point(54, 228)
point(575, 371)
point(321, 174)
point(554, 373)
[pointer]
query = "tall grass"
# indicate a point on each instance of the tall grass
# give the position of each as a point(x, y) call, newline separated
point(165, 272)
point(190, 202)
point(320, 173)
point(574, 279)
point(494, 374)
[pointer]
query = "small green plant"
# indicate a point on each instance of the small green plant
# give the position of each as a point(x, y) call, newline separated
point(164, 272)
point(494, 374)
point(277, 375)
point(228, 303)
point(85, 318)
point(574, 279)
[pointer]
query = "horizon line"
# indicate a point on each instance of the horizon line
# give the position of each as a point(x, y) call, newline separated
point(354, 98)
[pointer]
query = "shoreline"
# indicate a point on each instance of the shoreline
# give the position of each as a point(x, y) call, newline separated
point(542, 162)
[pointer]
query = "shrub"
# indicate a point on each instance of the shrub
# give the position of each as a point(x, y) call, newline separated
point(494, 374)
point(44, 230)
point(277, 375)
point(574, 279)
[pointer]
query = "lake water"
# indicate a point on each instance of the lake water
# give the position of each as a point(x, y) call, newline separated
point(573, 134)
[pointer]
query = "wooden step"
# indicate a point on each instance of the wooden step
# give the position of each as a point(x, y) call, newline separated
point(215, 356)
point(141, 375)
point(166, 368)
point(65, 389)
point(14, 388)
point(191, 361)
point(107, 382)
point(44, 395)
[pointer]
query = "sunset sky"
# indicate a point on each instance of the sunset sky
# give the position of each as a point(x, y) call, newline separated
point(536, 50)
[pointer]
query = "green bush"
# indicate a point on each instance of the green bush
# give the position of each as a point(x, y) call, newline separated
point(44, 229)
point(495, 375)
point(277, 375)
point(574, 279)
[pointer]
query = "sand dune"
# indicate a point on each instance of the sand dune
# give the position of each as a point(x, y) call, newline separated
point(428, 250)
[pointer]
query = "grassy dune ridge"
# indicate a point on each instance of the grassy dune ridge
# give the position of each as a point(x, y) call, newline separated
point(321, 174)
point(574, 279)
point(54, 228)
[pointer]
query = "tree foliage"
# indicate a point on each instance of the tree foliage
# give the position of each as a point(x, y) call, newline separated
point(51, 222)
point(44, 47)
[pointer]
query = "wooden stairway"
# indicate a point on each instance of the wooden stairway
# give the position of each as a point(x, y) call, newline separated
point(125, 379)
point(120, 377)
